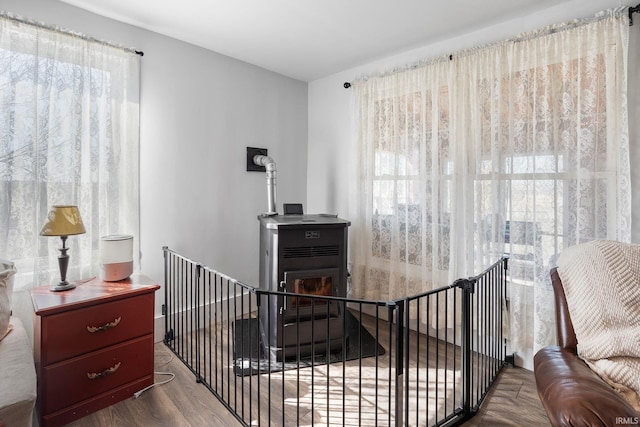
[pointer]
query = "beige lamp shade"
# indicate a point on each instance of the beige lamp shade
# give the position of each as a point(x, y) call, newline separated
point(63, 220)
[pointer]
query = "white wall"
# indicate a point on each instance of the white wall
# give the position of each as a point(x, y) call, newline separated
point(199, 112)
point(331, 175)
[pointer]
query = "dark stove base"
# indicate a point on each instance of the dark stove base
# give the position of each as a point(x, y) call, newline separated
point(250, 355)
point(298, 338)
point(304, 350)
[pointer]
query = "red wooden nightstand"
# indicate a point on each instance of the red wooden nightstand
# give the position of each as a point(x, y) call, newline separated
point(93, 346)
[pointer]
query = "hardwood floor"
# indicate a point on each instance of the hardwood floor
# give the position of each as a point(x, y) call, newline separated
point(513, 401)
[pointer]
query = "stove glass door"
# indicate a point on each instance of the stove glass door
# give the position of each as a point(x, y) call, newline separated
point(320, 282)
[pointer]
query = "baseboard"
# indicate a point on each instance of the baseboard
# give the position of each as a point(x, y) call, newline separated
point(221, 306)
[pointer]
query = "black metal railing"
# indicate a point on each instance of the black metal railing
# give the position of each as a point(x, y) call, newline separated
point(428, 359)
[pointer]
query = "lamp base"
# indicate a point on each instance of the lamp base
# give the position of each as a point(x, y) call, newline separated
point(62, 286)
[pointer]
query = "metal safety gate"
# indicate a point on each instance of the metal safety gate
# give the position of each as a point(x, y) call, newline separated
point(428, 359)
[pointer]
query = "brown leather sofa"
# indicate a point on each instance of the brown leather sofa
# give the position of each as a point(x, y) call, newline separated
point(571, 393)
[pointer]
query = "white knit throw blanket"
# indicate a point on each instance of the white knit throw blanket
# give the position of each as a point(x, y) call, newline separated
point(601, 280)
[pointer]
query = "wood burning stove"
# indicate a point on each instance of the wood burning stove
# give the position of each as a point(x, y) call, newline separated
point(302, 255)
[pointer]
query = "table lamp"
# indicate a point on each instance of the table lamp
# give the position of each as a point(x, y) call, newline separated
point(63, 221)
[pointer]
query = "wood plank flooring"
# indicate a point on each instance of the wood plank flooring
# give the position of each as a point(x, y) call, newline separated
point(359, 392)
point(513, 400)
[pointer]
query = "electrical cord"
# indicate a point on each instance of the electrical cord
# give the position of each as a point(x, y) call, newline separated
point(164, 354)
point(139, 392)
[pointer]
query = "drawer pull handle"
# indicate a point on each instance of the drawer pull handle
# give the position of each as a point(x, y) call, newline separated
point(106, 372)
point(104, 327)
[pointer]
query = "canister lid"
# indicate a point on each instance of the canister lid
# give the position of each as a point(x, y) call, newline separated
point(116, 237)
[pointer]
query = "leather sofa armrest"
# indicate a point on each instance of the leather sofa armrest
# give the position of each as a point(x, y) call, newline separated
point(564, 325)
point(574, 395)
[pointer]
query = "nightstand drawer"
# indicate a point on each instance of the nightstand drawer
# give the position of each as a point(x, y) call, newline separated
point(80, 331)
point(86, 376)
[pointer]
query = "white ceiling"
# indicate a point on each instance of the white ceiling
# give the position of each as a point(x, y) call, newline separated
point(311, 39)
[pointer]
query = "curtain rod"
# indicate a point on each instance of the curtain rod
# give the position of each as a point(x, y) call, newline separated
point(39, 24)
point(632, 10)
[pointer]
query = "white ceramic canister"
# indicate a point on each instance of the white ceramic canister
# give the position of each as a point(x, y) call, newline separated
point(116, 257)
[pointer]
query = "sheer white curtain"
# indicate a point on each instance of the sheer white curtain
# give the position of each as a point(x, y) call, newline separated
point(518, 148)
point(69, 134)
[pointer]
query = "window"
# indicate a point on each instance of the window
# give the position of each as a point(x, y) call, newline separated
point(70, 112)
point(518, 148)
